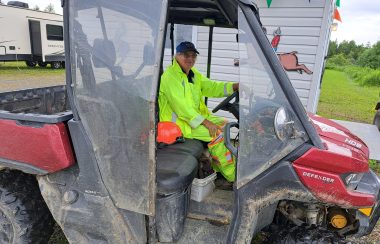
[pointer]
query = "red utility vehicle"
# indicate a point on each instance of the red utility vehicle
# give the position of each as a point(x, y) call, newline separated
point(104, 180)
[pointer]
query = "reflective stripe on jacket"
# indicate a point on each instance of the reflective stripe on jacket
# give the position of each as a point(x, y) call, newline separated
point(183, 102)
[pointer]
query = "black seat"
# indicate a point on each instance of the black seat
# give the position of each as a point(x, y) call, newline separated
point(190, 146)
point(175, 171)
point(177, 165)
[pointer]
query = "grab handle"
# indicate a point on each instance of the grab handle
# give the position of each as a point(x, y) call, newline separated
point(227, 137)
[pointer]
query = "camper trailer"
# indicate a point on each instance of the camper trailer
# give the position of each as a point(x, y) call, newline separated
point(32, 36)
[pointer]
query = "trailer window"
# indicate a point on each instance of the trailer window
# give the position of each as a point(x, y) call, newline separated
point(54, 32)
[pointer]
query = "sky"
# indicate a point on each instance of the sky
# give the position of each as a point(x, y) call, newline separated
point(361, 19)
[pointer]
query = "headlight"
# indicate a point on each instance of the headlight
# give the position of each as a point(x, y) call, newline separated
point(352, 180)
point(282, 125)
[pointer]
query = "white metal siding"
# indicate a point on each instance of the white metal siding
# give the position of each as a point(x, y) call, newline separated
point(305, 29)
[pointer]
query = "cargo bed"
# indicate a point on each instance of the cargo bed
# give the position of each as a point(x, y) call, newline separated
point(34, 137)
point(45, 105)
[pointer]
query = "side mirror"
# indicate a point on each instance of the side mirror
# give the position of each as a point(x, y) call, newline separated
point(103, 53)
point(283, 126)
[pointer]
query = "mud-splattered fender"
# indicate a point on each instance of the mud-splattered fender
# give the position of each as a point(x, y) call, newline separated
point(256, 202)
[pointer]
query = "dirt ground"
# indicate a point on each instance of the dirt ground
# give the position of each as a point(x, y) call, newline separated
point(9, 83)
point(373, 238)
point(25, 79)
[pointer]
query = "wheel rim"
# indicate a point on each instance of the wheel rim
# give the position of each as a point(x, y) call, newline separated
point(6, 229)
point(56, 65)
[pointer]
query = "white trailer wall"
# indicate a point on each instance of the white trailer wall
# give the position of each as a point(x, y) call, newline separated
point(15, 31)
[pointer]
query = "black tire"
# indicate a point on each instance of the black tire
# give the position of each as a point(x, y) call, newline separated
point(376, 119)
point(42, 64)
point(305, 234)
point(24, 216)
point(31, 63)
point(56, 65)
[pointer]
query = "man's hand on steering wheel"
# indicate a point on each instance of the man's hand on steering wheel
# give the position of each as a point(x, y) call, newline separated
point(230, 107)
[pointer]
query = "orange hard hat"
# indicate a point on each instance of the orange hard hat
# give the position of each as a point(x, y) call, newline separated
point(168, 133)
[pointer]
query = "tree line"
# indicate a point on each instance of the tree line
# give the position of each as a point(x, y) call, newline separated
point(350, 53)
point(49, 8)
point(360, 62)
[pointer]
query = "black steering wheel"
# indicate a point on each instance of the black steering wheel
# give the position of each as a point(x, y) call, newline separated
point(230, 107)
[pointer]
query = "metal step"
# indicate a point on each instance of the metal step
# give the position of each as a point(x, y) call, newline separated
point(216, 208)
point(199, 231)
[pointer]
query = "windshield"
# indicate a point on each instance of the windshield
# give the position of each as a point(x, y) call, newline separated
point(115, 56)
point(262, 104)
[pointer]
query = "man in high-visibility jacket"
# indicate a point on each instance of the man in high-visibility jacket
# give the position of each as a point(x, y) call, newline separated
point(181, 100)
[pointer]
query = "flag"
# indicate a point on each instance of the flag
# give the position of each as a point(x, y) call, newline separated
point(337, 15)
point(337, 3)
point(269, 2)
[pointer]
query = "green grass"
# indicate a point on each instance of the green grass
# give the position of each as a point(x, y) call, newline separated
point(20, 68)
point(375, 166)
point(18, 76)
point(343, 99)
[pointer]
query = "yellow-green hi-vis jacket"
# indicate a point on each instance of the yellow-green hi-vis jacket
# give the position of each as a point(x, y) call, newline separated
point(182, 102)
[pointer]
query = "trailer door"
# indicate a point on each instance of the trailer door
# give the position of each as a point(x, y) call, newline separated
point(35, 38)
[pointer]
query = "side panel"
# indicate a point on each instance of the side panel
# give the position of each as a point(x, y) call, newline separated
point(330, 188)
point(43, 146)
point(115, 57)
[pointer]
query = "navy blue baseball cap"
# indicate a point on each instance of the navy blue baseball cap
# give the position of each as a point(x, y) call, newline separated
point(186, 46)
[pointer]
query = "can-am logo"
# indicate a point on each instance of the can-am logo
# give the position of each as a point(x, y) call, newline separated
point(353, 143)
point(318, 177)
